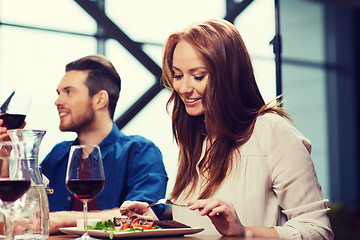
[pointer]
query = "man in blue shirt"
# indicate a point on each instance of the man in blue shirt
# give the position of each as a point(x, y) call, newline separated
point(133, 165)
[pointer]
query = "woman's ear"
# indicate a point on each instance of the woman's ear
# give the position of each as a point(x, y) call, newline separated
point(101, 99)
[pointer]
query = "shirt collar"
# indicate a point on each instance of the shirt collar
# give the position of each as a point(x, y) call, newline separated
point(110, 139)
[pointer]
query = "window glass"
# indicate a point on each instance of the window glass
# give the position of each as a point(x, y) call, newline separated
point(304, 32)
point(257, 33)
point(304, 78)
point(64, 15)
point(153, 21)
point(135, 78)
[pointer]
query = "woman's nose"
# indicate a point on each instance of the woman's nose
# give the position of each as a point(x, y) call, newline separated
point(185, 86)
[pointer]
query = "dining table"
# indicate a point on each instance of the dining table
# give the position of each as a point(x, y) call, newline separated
point(185, 237)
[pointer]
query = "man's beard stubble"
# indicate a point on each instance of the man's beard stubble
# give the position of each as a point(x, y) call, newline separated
point(81, 123)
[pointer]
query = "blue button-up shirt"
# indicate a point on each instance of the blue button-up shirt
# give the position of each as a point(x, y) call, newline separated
point(133, 165)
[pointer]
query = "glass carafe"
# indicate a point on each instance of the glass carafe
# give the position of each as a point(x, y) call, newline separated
point(31, 215)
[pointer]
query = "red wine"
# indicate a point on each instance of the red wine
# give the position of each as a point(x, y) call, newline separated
point(12, 121)
point(85, 189)
point(11, 190)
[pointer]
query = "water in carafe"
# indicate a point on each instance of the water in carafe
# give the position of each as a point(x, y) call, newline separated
point(31, 211)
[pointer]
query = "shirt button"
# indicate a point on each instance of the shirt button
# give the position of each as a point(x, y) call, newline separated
point(69, 198)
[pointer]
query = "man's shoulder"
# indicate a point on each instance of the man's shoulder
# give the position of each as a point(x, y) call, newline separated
point(117, 135)
point(130, 147)
point(63, 145)
point(135, 140)
point(61, 148)
point(57, 153)
point(128, 143)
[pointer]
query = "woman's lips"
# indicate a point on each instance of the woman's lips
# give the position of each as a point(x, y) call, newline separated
point(192, 102)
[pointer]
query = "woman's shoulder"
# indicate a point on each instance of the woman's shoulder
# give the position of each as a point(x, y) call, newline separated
point(271, 119)
point(263, 133)
point(278, 130)
point(271, 123)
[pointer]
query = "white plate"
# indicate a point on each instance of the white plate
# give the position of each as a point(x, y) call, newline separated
point(125, 234)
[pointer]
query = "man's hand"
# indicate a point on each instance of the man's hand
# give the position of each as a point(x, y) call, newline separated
point(4, 136)
point(61, 219)
point(3, 132)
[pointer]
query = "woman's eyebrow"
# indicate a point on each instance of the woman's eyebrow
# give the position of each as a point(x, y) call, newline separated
point(192, 69)
point(198, 68)
point(173, 67)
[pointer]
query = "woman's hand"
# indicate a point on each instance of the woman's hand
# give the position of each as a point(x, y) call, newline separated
point(139, 208)
point(222, 214)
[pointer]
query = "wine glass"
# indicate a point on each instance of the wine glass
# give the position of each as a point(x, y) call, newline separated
point(85, 177)
point(14, 180)
point(15, 108)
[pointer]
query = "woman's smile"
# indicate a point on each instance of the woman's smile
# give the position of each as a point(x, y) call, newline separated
point(191, 101)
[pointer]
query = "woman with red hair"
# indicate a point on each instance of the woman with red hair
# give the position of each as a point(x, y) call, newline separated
point(241, 162)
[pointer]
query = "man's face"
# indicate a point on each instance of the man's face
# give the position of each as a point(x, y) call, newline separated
point(74, 103)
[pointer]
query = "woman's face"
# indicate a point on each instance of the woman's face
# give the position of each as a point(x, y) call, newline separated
point(190, 77)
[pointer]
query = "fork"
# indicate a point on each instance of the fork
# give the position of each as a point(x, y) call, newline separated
point(166, 201)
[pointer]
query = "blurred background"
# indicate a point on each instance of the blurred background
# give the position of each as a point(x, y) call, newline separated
point(316, 68)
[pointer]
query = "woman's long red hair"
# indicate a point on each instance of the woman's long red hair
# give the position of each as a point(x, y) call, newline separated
point(232, 102)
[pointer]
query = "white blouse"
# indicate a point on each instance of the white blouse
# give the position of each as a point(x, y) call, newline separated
point(273, 184)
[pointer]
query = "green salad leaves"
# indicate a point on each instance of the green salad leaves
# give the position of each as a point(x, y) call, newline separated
point(109, 227)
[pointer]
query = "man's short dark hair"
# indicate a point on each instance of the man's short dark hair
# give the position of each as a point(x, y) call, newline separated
point(102, 75)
